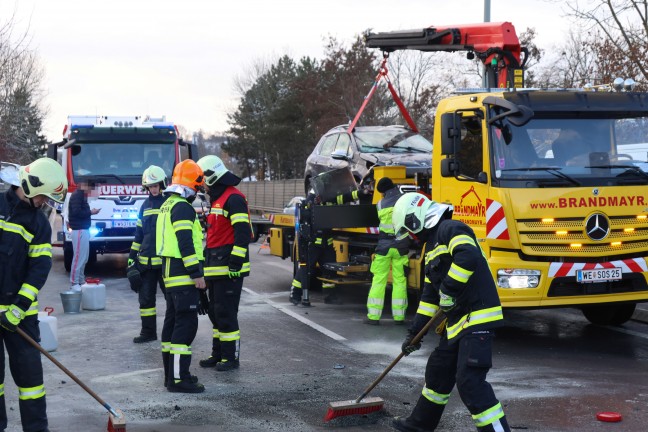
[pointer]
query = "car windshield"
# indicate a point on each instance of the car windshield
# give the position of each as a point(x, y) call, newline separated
point(569, 152)
point(392, 141)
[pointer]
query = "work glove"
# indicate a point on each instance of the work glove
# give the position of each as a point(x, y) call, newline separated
point(134, 277)
point(203, 307)
point(407, 348)
point(130, 262)
point(446, 302)
point(234, 270)
point(9, 319)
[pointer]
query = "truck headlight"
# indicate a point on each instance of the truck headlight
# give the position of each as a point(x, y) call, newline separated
point(518, 278)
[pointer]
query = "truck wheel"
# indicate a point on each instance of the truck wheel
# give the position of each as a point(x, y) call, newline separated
point(609, 314)
point(92, 257)
point(68, 254)
point(255, 233)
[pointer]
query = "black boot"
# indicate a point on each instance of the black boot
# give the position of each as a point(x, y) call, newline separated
point(215, 356)
point(401, 424)
point(227, 365)
point(186, 386)
point(424, 418)
point(148, 332)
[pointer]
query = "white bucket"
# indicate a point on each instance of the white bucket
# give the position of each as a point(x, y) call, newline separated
point(94, 296)
point(48, 331)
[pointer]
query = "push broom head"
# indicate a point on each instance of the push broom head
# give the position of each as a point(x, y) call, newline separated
point(116, 423)
point(351, 407)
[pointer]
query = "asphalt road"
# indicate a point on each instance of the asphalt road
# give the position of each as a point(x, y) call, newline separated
point(553, 371)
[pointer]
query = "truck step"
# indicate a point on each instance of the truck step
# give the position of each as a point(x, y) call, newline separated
point(347, 267)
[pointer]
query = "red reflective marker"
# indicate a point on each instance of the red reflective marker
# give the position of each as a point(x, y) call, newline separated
point(610, 417)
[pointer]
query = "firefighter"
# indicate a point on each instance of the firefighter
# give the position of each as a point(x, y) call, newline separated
point(25, 262)
point(179, 241)
point(316, 247)
point(145, 267)
point(391, 252)
point(457, 280)
point(227, 261)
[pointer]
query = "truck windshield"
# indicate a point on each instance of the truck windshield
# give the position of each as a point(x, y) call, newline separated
point(125, 161)
point(567, 151)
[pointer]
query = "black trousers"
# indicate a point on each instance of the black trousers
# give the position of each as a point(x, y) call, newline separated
point(27, 372)
point(179, 330)
point(466, 363)
point(224, 299)
point(314, 256)
point(151, 278)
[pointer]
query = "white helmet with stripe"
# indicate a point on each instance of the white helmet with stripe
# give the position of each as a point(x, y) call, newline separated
point(413, 212)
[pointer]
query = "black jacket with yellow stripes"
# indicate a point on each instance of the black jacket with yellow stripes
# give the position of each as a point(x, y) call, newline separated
point(455, 265)
point(143, 247)
point(25, 252)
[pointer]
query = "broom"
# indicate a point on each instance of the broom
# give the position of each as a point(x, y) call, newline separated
point(366, 406)
point(116, 419)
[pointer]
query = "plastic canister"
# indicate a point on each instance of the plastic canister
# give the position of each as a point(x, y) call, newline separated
point(48, 329)
point(94, 296)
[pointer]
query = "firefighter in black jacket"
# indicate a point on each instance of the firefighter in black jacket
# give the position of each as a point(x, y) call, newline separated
point(179, 241)
point(227, 261)
point(143, 263)
point(25, 262)
point(457, 280)
point(316, 247)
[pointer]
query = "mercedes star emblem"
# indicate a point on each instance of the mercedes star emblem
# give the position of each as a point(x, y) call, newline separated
point(597, 226)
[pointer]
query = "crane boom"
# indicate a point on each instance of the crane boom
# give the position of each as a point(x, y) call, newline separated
point(495, 44)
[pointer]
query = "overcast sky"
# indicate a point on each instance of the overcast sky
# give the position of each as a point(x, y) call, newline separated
point(180, 58)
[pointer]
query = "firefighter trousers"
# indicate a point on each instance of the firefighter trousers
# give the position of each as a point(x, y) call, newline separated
point(308, 261)
point(151, 278)
point(178, 332)
point(380, 268)
point(27, 372)
point(224, 299)
point(465, 363)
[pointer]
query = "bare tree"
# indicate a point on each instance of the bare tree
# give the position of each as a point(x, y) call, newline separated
point(623, 25)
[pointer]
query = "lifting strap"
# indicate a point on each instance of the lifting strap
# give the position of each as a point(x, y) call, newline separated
point(382, 73)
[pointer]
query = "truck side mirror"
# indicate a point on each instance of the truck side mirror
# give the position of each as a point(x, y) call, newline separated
point(450, 167)
point(51, 151)
point(450, 133)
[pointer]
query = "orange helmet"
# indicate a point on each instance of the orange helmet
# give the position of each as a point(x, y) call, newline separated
point(188, 173)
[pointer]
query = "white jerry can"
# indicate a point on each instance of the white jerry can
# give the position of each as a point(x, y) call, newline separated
point(94, 295)
point(48, 329)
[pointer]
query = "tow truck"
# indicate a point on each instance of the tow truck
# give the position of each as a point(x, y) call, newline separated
point(111, 152)
point(552, 182)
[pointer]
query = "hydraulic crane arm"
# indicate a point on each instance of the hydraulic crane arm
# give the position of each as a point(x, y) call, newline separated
point(495, 44)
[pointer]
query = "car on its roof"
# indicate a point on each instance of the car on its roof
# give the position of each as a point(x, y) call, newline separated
point(365, 147)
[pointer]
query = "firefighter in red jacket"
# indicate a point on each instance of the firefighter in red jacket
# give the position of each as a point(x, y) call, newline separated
point(227, 261)
point(457, 280)
point(145, 267)
point(25, 262)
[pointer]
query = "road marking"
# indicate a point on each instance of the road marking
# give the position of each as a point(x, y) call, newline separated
point(300, 318)
point(630, 332)
point(110, 378)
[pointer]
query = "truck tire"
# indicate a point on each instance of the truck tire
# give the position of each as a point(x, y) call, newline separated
point(68, 254)
point(255, 233)
point(610, 314)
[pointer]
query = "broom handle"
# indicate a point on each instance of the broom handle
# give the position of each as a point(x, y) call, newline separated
point(416, 340)
point(64, 369)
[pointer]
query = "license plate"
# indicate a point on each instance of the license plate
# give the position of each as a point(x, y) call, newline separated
point(124, 224)
point(599, 275)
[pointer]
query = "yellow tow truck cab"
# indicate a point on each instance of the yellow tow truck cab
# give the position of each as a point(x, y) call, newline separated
point(555, 186)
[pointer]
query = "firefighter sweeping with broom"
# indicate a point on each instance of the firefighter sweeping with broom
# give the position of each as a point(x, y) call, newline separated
point(457, 280)
point(25, 262)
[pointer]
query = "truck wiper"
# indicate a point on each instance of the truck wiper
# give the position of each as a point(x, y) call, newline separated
point(115, 176)
point(412, 149)
point(630, 169)
point(551, 170)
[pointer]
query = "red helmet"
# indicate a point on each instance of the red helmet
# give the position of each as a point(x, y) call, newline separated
point(188, 173)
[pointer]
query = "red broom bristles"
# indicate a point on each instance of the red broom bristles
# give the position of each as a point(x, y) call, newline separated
point(341, 412)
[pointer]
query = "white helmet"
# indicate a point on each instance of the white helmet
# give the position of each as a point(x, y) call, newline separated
point(154, 175)
point(413, 212)
point(44, 176)
point(216, 171)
